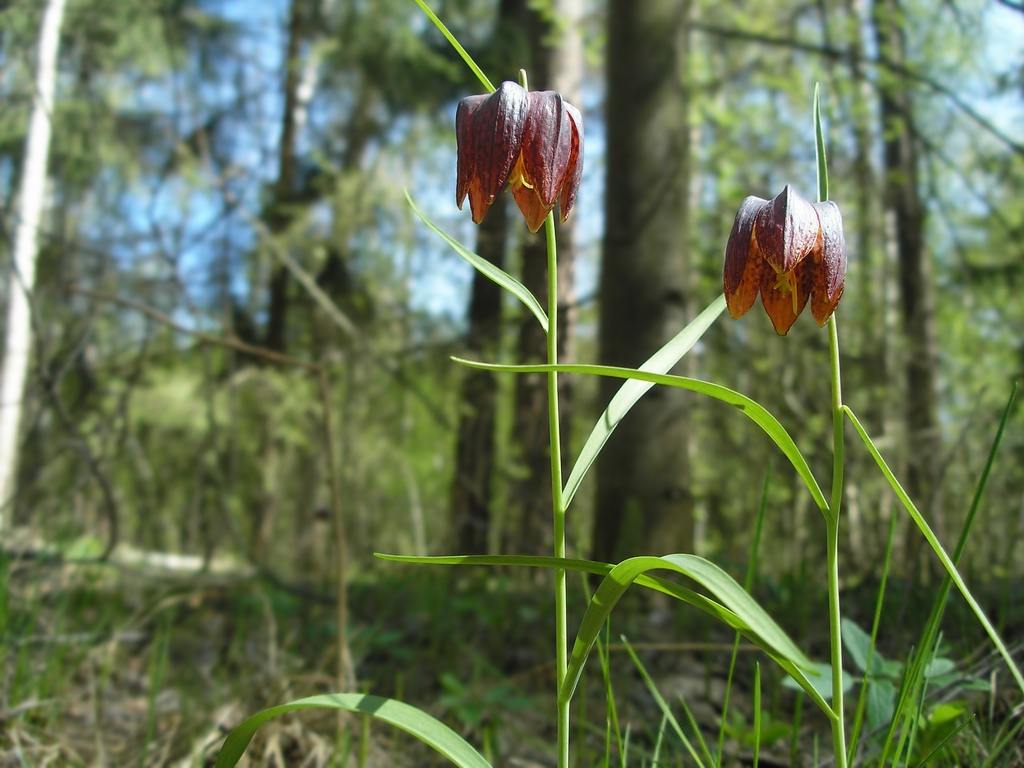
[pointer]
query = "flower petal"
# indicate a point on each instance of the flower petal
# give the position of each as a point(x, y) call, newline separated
point(529, 202)
point(833, 249)
point(822, 307)
point(489, 131)
point(547, 144)
point(777, 295)
point(743, 262)
point(786, 230)
point(574, 168)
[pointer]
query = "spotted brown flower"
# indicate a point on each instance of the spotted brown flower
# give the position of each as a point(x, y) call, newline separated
point(789, 251)
point(532, 140)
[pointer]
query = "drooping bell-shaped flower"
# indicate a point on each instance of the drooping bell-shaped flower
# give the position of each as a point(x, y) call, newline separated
point(532, 140)
point(789, 251)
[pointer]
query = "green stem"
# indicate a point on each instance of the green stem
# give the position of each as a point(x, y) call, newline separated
point(832, 546)
point(838, 420)
point(557, 503)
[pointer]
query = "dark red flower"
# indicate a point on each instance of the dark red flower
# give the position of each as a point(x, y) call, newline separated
point(789, 251)
point(533, 140)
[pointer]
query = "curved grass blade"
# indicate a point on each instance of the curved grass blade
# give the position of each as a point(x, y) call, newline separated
point(697, 600)
point(752, 409)
point(580, 566)
point(666, 710)
point(933, 542)
point(754, 622)
point(931, 629)
point(424, 727)
point(757, 713)
point(748, 585)
point(632, 390)
point(491, 272)
point(862, 699)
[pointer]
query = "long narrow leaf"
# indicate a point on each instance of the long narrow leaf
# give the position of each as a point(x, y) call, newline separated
point(666, 711)
point(424, 727)
point(672, 589)
point(931, 628)
point(819, 148)
point(488, 270)
point(756, 624)
point(697, 600)
point(933, 542)
point(862, 699)
point(632, 390)
point(752, 409)
point(794, 663)
point(748, 585)
point(484, 80)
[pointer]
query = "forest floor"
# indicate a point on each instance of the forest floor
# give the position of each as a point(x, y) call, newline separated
point(105, 666)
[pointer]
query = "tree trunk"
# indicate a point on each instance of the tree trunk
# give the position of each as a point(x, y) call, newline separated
point(18, 343)
point(644, 502)
point(556, 58)
point(905, 220)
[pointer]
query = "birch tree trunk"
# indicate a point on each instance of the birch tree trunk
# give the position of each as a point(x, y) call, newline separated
point(17, 346)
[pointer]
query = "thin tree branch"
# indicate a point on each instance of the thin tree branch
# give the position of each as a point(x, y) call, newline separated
point(232, 343)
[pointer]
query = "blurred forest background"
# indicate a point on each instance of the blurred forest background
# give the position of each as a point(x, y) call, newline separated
point(240, 386)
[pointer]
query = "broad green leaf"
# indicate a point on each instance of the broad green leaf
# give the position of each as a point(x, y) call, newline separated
point(491, 272)
point(424, 727)
point(754, 622)
point(858, 645)
point(632, 390)
point(753, 410)
point(821, 681)
point(938, 667)
point(881, 704)
point(937, 548)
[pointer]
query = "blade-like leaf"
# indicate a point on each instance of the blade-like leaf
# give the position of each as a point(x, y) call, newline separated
point(819, 149)
point(709, 606)
point(491, 272)
point(754, 622)
point(582, 566)
point(424, 727)
point(632, 390)
point(666, 710)
point(484, 81)
point(753, 410)
point(937, 548)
